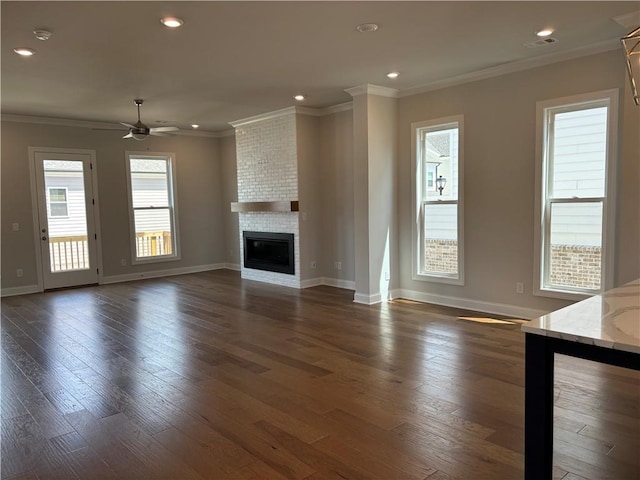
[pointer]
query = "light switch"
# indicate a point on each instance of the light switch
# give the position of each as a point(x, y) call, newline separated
point(15, 226)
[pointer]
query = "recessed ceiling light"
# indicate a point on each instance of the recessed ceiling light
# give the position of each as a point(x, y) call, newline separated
point(545, 32)
point(195, 125)
point(24, 52)
point(299, 97)
point(43, 35)
point(172, 22)
point(367, 27)
point(393, 74)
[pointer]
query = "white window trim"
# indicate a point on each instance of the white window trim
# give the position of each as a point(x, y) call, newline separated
point(66, 202)
point(174, 195)
point(608, 211)
point(416, 204)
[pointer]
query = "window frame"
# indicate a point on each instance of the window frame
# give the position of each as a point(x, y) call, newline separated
point(418, 182)
point(66, 202)
point(170, 158)
point(543, 203)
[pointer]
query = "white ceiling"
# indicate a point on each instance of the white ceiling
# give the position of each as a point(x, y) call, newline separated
point(232, 60)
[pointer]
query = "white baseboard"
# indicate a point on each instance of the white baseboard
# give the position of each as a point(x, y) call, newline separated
point(311, 282)
point(339, 283)
point(233, 266)
point(24, 290)
point(161, 273)
point(513, 311)
point(367, 299)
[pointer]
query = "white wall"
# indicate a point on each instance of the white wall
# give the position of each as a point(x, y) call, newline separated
point(499, 148)
point(198, 186)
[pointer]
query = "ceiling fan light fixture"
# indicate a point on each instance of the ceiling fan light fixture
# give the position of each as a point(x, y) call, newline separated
point(138, 136)
point(195, 125)
point(24, 51)
point(299, 98)
point(172, 22)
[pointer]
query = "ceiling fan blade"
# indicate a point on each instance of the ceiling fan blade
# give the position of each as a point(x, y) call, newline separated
point(128, 135)
point(163, 129)
point(159, 134)
point(111, 129)
point(127, 125)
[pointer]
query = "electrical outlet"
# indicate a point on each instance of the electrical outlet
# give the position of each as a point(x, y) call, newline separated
point(519, 287)
point(15, 227)
point(123, 262)
point(337, 265)
point(313, 265)
point(19, 272)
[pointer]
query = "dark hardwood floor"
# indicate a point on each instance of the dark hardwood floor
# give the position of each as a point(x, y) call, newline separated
point(207, 376)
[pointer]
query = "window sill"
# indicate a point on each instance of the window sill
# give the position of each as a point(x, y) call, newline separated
point(158, 259)
point(438, 279)
point(564, 294)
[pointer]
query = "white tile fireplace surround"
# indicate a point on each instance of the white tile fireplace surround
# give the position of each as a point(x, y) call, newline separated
point(268, 172)
point(271, 222)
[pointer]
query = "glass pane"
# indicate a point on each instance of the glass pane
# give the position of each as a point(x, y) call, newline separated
point(153, 232)
point(58, 194)
point(440, 240)
point(67, 221)
point(575, 249)
point(59, 209)
point(578, 156)
point(441, 164)
point(149, 187)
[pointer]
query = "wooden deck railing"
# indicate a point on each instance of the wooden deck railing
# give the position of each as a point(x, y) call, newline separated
point(68, 253)
point(72, 253)
point(151, 244)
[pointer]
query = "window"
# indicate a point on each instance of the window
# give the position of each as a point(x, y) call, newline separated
point(437, 157)
point(576, 141)
point(151, 183)
point(58, 206)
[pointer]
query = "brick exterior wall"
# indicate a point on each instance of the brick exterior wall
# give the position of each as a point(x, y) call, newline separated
point(575, 266)
point(441, 256)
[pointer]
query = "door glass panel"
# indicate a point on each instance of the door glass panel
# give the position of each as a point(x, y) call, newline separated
point(66, 215)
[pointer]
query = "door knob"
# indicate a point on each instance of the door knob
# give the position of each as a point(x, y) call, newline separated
point(44, 238)
point(44, 230)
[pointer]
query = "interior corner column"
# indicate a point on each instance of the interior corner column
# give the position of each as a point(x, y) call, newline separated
point(374, 151)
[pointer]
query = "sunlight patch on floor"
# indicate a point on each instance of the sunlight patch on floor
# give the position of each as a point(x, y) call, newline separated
point(508, 321)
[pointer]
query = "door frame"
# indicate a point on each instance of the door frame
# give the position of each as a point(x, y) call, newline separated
point(34, 206)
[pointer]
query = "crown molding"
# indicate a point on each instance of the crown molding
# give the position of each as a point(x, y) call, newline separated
point(370, 89)
point(629, 20)
point(67, 122)
point(263, 116)
point(514, 67)
point(341, 107)
point(314, 112)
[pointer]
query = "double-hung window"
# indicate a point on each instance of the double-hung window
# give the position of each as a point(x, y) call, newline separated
point(152, 206)
point(576, 152)
point(58, 198)
point(437, 158)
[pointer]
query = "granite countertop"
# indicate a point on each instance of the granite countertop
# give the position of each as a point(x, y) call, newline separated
point(610, 320)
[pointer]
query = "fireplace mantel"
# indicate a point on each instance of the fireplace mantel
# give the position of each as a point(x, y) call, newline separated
point(277, 206)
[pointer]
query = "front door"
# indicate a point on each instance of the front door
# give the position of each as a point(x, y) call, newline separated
point(67, 233)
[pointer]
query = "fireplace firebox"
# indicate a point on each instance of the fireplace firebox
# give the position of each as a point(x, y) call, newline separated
point(272, 252)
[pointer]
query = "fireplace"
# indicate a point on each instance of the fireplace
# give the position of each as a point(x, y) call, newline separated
point(272, 252)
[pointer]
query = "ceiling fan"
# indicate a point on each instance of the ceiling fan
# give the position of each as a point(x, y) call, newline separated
point(139, 131)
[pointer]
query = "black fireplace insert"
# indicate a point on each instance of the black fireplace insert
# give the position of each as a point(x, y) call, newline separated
point(272, 252)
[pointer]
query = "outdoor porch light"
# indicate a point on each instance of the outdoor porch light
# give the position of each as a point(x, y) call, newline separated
point(631, 45)
point(441, 182)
